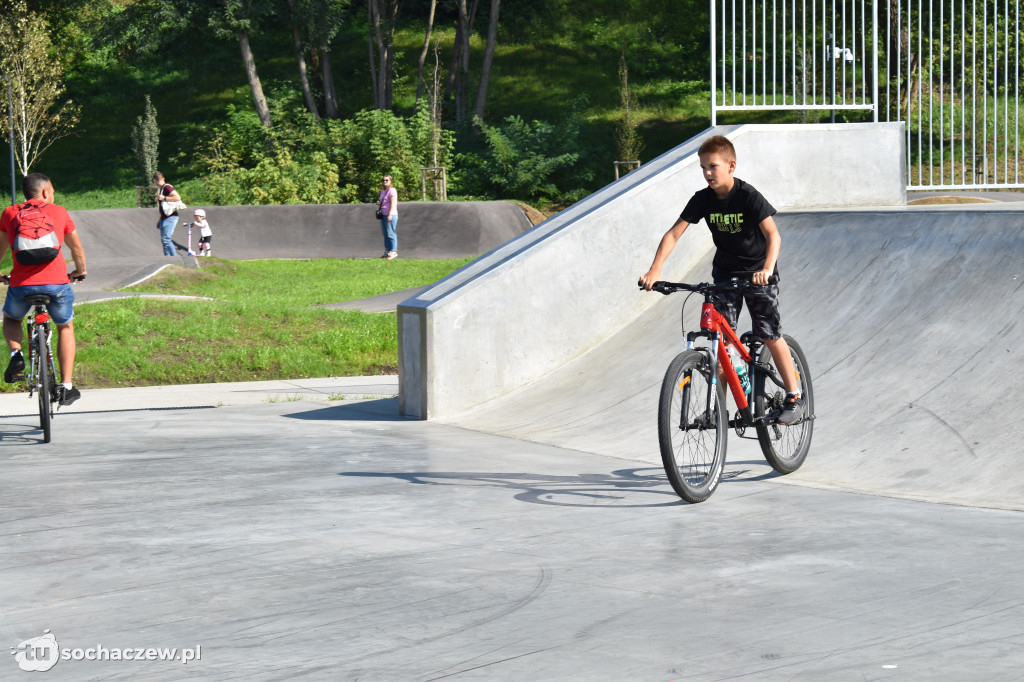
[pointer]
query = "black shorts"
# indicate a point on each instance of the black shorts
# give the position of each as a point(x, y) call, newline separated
point(763, 303)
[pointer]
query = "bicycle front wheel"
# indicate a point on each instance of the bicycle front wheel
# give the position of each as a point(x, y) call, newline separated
point(785, 447)
point(692, 433)
point(43, 387)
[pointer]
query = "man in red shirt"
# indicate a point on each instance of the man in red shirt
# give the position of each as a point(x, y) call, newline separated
point(49, 278)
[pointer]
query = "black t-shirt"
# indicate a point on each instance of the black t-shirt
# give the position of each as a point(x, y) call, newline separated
point(734, 223)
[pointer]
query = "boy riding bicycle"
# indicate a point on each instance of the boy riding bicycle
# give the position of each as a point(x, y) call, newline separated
point(747, 245)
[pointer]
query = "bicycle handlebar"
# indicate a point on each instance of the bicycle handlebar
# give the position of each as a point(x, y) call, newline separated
point(6, 279)
point(734, 284)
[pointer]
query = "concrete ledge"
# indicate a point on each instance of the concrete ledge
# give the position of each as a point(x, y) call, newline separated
point(466, 340)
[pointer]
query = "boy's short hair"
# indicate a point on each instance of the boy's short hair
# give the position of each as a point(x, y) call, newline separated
point(32, 185)
point(717, 144)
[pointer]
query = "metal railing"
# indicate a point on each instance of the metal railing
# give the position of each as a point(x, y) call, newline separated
point(949, 69)
point(792, 55)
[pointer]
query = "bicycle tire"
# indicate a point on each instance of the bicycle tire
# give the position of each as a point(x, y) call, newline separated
point(43, 387)
point(692, 443)
point(785, 447)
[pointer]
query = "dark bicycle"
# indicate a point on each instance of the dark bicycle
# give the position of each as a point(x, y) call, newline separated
point(42, 371)
point(692, 422)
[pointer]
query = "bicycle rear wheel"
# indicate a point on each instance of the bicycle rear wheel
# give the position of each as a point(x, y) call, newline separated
point(45, 379)
point(785, 447)
point(692, 439)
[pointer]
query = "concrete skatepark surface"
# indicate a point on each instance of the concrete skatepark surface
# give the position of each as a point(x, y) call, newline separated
point(293, 536)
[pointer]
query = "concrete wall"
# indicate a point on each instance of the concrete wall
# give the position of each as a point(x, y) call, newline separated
point(429, 230)
point(122, 245)
point(551, 294)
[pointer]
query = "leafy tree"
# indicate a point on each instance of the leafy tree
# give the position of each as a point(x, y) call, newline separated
point(314, 23)
point(146, 141)
point(382, 14)
point(627, 140)
point(237, 19)
point(458, 72)
point(421, 84)
point(295, 11)
point(485, 70)
point(325, 20)
point(34, 81)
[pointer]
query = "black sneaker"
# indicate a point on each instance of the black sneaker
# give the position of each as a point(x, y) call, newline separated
point(792, 411)
point(15, 368)
point(68, 395)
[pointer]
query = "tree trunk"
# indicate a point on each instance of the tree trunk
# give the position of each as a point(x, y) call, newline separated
point(420, 84)
point(449, 85)
point(330, 94)
point(373, 68)
point(382, 34)
point(462, 50)
point(262, 110)
point(485, 72)
point(300, 58)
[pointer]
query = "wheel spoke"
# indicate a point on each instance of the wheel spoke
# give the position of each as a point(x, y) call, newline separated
point(692, 438)
point(785, 447)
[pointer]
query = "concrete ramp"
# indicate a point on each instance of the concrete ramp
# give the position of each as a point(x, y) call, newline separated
point(912, 323)
point(556, 292)
point(123, 245)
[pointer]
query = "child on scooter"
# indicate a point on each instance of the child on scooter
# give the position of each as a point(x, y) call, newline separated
point(205, 244)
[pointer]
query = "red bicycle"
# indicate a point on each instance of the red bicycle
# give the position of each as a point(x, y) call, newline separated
point(692, 420)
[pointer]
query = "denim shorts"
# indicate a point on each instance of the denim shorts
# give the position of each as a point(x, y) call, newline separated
point(60, 307)
point(763, 303)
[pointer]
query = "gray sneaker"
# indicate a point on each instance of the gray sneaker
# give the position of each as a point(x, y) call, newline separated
point(792, 411)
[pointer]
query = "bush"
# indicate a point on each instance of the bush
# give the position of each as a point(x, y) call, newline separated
point(303, 160)
point(277, 179)
point(374, 142)
point(525, 160)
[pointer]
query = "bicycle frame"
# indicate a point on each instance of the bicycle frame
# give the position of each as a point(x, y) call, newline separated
point(716, 328)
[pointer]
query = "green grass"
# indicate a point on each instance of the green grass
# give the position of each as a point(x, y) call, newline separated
point(261, 324)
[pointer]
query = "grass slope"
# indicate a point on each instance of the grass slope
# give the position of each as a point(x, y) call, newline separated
point(261, 323)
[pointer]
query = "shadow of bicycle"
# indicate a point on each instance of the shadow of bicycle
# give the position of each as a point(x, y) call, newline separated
point(21, 432)
point(621, 488)
point(646, 487)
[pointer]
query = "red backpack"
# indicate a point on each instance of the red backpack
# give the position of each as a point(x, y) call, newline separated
point(35, 241)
